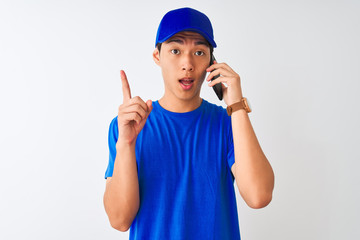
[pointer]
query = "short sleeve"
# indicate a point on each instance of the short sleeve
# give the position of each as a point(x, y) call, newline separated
point(112, 139)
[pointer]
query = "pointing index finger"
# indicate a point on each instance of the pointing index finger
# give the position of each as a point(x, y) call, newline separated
point(125, 86)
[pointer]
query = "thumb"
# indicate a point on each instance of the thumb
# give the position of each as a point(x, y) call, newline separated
point(149, 105)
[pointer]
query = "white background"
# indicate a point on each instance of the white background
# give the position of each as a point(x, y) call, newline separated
point(299, 64)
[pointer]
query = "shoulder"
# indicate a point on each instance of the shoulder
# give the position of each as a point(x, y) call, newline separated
point(113, 128)
point(113, 123)
point(217, 116)
point(214, 109)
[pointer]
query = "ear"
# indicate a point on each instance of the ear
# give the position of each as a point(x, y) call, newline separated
point(156, 56)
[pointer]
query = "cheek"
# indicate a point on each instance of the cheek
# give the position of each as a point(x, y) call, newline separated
point(203, 68)
point(168, 71)
point(203, 77)
point(166, 68)
point(169, 67)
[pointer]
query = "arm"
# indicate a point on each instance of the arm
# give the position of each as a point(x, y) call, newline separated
point(253, 173)
point(121, 197)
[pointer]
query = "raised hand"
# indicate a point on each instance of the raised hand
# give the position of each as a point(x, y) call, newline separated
point(132, 113)
point(232, 91)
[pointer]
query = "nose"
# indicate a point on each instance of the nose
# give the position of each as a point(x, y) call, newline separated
point(187, 63)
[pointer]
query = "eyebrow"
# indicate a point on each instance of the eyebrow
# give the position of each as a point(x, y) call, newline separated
point(180, 41)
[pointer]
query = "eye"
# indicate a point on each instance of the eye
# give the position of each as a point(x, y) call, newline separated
point(175, 51)
point(199, 53)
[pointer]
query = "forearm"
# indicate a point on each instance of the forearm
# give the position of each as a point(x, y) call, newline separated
point(254, 175)
point(121, 198)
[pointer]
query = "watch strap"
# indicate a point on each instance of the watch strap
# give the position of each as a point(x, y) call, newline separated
point(237, 106)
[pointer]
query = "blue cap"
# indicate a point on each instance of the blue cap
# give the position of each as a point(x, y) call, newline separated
point(185, 19)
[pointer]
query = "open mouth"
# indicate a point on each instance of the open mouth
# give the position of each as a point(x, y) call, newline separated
point(186, 83)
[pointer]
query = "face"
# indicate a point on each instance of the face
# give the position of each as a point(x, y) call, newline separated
point(183, 60)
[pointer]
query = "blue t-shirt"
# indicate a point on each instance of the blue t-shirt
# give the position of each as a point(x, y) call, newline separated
point(184, 168)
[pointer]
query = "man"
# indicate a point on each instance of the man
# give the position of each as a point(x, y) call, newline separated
point(173, 162)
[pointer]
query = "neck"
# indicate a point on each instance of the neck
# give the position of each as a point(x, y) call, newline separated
point(180, 106)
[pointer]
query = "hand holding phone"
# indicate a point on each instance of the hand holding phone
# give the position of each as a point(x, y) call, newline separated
point(217, 87)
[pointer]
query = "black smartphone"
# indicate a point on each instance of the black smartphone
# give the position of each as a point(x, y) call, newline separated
point(217, 87)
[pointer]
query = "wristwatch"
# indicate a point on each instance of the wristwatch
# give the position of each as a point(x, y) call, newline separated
point(243, 104)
